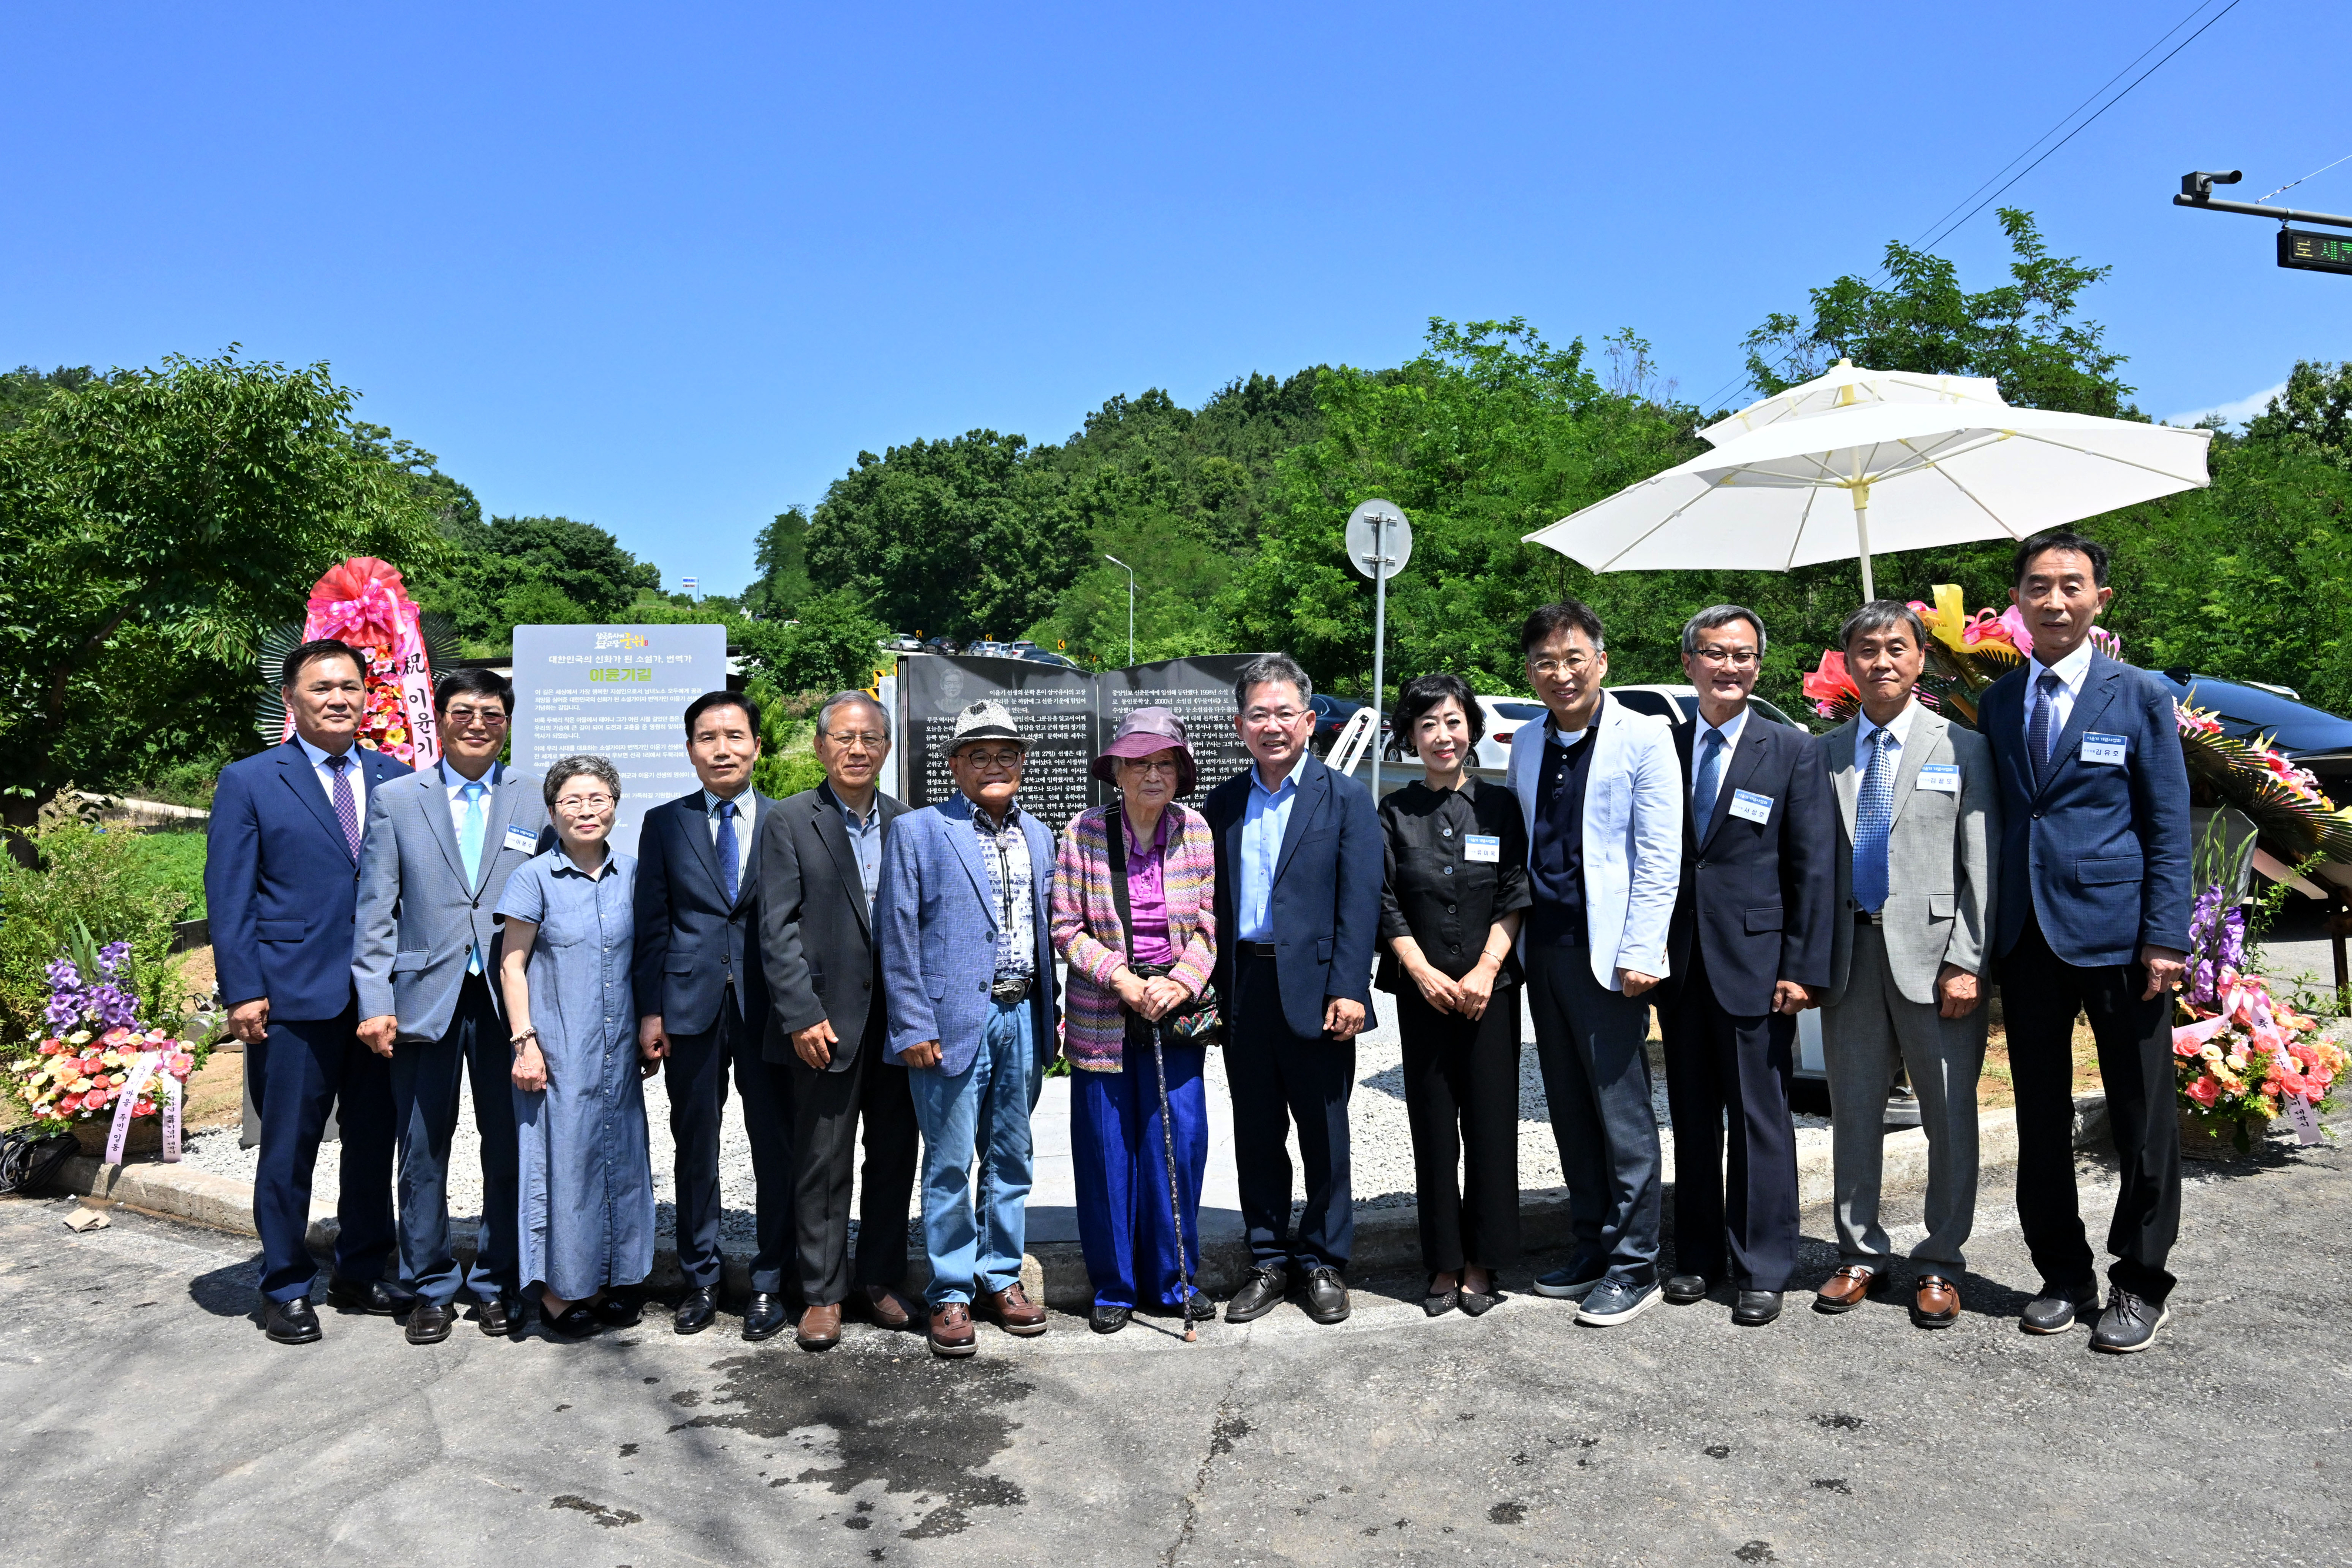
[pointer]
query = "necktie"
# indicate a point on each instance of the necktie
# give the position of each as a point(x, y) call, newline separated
point(470, 823)
point(2038, 736)
point(1874, 817)
point(727, 873)
point(347, 806)
point(1707, 780)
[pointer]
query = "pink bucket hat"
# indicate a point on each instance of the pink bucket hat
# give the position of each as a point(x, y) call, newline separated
point(1145, 732)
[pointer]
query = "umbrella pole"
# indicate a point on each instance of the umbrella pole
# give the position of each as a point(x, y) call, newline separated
point(1862, 537)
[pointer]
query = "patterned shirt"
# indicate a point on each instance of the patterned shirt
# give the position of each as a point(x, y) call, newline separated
point(1013, 883)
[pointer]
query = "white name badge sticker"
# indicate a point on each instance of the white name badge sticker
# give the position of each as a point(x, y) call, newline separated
point(2107, 750)
point(1941, 777)
point(521, 839)
point(1751, 807)
point(1482, 848)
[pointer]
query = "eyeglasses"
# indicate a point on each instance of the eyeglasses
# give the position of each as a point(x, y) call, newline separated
point(1167, 765)
point(582, 802)
point(1284, 717)
point(870, 739)
point(1737, 658)
point(984, 760)
point(1574, 665)
point(458, 717)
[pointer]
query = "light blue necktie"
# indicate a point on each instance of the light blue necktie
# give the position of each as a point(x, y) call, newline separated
point(726, 871)
point(1874, 818)
point(1707, 781)
point(472, 822)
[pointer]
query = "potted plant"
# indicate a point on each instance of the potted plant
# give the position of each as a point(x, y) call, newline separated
point(99, 1071)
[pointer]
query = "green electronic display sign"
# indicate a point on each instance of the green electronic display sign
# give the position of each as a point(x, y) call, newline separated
point(2310, 252)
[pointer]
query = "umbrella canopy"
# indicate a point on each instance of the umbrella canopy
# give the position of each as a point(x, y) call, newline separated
point(1916, 475)
point(1844, 386)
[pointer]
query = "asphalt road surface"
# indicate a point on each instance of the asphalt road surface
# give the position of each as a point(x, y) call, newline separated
point(144, 1420)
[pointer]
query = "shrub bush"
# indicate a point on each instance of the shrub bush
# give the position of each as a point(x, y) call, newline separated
point(87, 875)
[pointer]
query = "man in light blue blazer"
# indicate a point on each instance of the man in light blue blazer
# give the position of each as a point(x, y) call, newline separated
point(1601, 791)
point(439, 847)
point(964, 917)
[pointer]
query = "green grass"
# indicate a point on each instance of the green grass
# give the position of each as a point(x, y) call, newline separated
point(176, 862)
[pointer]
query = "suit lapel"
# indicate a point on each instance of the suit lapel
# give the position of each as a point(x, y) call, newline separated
point(504, 796)
point(2098, 691)
point(696, 825)
point(1994, 714)
point(1745, 759)
point(964, 838)
point(834, 834)
point(1926, 734)
point(434, 798)
point(1843, 776)
point(1314, 783)
point(303, 779)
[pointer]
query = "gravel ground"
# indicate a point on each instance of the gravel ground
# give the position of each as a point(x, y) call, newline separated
point(1382, 1141)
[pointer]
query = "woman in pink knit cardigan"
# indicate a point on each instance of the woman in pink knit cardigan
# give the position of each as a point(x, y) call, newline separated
point(1121, 986)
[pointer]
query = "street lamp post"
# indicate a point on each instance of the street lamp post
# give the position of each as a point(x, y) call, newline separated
point(1130, 606)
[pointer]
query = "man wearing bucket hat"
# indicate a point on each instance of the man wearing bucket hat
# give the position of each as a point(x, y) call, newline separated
point(968, 977)
point(1134, 917)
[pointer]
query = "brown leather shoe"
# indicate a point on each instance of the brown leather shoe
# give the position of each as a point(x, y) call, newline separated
point(1849, 1287)
point(1938, 1303)
point(886, 1308)
point(820, 1328)
point(1014, 1312)
point(951, 1330)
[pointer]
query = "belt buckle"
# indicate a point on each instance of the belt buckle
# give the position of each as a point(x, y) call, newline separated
point(1010, 990)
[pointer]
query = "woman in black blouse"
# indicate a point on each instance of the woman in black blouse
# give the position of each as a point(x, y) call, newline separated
point(1457, 880)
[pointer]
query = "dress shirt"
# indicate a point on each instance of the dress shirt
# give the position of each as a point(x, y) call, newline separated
point(865, 839)
point(355, 771)
point(1898, 730)
point(1264, 821)
point(1147, 891)
point(743, 825)
point(2071, 672)
point(1013, 883)
point(455, 782)
point(1434, 893)
point(1731, 731)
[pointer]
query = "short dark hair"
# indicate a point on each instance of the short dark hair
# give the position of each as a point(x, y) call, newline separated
point(845, 699)
point(709, 700)
point(1715, 615)
point(1549, 621)
point(1877, 616)
point(1423, 693)
point(2059, 539)
point(305, 655)
point(481, 683)
point(1266, 669)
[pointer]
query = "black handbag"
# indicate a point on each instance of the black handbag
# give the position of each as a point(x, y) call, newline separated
point(1196, 1022)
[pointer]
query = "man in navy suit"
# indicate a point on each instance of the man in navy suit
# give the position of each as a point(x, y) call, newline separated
point(1749, 949)
point(2093, 917)
point(702, 1002)
point(281, 884)
point(1299, 863)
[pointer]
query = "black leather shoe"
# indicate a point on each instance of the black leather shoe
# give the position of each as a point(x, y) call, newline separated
point(1263, 1292)
point(1754, 1309)
point(765, 1316)
point(575, 1322)
point(696, 1308)
point(2129, 1324)
point(1327, 1298)
point(429, 1322)
point(617, 1311)
point(1682, 1290)
point(377, 1298)
point(1109, 1320)
point(500, 1316)
point(2057, 1309)
point(290, 1322)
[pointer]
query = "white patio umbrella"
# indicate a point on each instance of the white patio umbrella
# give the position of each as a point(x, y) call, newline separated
point(1916, 475)
point(1844, 386)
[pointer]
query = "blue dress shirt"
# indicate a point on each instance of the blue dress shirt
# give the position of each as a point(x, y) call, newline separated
point(1264, 821)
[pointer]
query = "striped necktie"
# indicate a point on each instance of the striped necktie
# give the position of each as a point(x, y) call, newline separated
point(2038, 736)
point(1873, 820)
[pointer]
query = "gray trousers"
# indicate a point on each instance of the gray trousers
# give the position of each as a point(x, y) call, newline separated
point(1597, 1079)
point(1872, 1027)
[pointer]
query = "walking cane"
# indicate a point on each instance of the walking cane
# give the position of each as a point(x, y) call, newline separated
point(1175, 1216)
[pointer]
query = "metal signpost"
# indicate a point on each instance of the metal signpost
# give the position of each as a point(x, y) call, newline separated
point(1380, 542)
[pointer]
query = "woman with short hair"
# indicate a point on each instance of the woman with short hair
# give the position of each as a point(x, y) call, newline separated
point(587, 1183)
point(1140, 948)
point(1457, 856)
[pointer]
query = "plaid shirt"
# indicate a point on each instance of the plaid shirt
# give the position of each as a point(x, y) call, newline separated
point(1013, 881)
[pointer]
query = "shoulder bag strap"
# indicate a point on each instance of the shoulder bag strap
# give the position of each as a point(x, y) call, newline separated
point(1116, 826)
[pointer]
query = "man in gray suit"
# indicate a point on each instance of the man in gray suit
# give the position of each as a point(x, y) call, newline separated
point(439, 846)
point(1920, 824)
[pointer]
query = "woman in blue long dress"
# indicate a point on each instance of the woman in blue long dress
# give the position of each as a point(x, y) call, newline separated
point(587, 1186)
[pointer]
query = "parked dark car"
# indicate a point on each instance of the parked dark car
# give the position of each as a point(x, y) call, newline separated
point(941, 644)
point(2310, 737)
point(1040, 656)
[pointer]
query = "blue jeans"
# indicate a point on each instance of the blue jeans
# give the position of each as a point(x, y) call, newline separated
point(975, 1240)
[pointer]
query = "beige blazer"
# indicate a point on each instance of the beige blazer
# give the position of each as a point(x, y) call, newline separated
point(1939, 856)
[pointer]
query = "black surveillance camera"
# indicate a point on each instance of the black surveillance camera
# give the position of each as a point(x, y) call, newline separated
point(2200, 186)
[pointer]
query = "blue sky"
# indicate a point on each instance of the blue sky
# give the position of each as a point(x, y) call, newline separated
point(668, 270)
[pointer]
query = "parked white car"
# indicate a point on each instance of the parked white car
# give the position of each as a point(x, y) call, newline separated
point(1505, 714)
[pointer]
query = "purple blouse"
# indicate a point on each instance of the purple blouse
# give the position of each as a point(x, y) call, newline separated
point(1147, 896)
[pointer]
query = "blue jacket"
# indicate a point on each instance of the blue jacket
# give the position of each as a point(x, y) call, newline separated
point(935, 918)
point(1327, 891)
point(281, 884)
point(2100, 852)
point(690, 940)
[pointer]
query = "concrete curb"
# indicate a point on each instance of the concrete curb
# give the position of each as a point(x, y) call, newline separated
point(1388, 1240)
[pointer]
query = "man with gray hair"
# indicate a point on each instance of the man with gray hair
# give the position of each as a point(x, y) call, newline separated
point(1918, 813)
point(820, 858)
point(1299, 864)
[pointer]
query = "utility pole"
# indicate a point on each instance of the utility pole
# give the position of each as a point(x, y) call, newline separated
point(2298, 249)
point(1130, 606)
